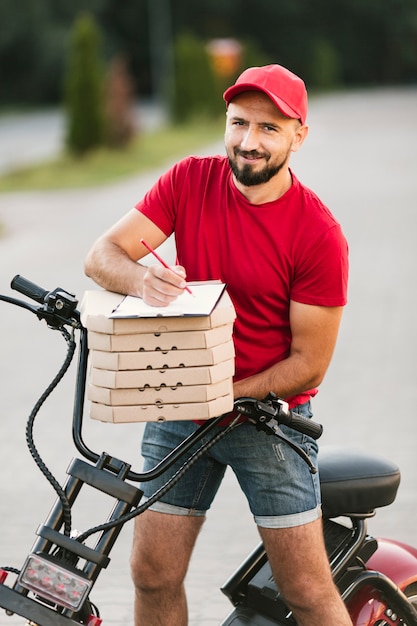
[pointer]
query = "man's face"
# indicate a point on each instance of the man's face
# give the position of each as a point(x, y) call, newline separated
point(259, 138)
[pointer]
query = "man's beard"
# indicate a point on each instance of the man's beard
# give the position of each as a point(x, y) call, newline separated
point(246, 176)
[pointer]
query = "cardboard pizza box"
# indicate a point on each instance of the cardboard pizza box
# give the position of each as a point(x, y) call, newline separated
point(98, 306)
point(161, 359)
point(171, 377)
point(161, 412)
point(183, 340)
point(160, 395)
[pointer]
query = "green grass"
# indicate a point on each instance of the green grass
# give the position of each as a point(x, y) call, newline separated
point(104, 166)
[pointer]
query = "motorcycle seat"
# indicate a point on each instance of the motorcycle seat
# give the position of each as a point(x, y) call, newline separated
point(355, 482)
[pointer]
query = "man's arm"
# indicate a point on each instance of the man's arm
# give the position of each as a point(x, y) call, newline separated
point(113, 264)
point(314, 333)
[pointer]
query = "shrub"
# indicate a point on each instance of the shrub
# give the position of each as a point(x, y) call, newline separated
point(325, 71)
point(194, 91)
point(84, 88)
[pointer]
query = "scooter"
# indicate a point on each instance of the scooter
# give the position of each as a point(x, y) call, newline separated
point(377, 579)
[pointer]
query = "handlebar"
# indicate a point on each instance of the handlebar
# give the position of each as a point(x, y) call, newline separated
point(273, 408)
point(269, 414)
point(304, 425)
point(27, 288)
point(58, 307)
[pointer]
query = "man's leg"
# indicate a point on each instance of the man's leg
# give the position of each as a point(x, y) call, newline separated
point(301, 571)
point(161, 552)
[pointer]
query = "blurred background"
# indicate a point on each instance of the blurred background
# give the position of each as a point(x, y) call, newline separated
point(181, 53)
point(330, 44)
point(103, 101)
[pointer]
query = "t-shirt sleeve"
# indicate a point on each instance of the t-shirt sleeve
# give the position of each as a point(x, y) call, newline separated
point(321, 277)
point(160, 202)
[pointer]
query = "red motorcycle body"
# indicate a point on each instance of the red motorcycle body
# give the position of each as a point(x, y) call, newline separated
point(398, 562)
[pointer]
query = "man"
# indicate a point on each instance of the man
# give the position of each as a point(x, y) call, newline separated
point(247, 220)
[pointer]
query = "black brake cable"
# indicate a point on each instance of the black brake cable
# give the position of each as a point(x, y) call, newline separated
point(66, 507)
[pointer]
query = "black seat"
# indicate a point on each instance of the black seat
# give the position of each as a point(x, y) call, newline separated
point(355, 482)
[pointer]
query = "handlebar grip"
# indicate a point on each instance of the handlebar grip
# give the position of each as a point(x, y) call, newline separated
point(25, 286)
point(304, 425)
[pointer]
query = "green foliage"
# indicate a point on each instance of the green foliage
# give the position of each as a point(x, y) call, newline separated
point(194, 90)
point(33, 45)
point(198, 87)
point(253, 55)
point(21, 42)
point(325, 72)
point(84, 88)
point(349, 41)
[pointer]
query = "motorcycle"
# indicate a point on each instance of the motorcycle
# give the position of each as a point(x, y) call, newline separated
point(377, 579)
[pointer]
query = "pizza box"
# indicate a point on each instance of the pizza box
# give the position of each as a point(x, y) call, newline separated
point(183, 340)
point(160, 395)
point(161, 359)
point(98, 307)
point(161, 412)
point(170, 377)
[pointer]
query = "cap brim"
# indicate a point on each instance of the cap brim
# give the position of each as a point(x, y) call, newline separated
point(235, 90)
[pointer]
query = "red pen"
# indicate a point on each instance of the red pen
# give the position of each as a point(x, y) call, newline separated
point(162, 262)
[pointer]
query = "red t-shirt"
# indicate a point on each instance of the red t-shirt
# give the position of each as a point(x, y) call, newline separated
point(268, 254)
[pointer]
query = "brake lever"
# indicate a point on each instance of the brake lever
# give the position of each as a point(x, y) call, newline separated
point(263, 415)
point(59, 309)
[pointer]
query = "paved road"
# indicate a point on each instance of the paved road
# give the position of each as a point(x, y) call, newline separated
point(38, 136)
point(360, 157)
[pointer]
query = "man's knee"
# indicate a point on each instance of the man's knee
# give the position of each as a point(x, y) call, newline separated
point(151, 574)
point(306, 594)
point(161, 550)
point(299, 563)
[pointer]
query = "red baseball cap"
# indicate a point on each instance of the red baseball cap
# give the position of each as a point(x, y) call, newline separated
point(286, 90)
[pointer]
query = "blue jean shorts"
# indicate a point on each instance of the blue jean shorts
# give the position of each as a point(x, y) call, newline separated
point(279, 487)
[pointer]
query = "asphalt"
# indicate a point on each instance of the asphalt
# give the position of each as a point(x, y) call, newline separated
point(35, 137)
point(360, 158)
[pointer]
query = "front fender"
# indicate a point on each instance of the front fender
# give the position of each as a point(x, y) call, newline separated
point(395, 560)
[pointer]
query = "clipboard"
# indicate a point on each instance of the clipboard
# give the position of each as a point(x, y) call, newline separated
point(205, 296)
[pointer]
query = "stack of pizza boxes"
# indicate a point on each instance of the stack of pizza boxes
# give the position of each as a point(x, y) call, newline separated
point(158, 368)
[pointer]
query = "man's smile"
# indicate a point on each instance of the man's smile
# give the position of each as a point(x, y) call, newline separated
point(251, 156)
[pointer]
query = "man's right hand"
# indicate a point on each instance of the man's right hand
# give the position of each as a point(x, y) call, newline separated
point(161, 285)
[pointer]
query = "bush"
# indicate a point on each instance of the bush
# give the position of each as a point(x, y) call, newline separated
point(325, 71)
point(84, 88)
point(194, 91)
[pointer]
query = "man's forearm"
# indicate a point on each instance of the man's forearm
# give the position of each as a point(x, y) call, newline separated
point(111, 268)
point(286, 378)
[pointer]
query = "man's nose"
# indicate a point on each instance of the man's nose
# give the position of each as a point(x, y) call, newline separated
point(250, 139)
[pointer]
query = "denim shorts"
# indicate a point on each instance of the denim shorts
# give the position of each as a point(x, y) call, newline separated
point(280, 489)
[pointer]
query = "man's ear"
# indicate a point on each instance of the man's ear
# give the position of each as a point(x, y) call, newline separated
point(300, 135)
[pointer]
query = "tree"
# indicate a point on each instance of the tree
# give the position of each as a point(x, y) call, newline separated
point(351, 42)
point(84, 88)
point(194, 93)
